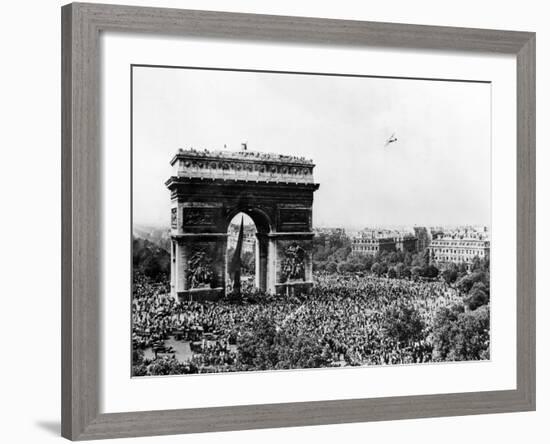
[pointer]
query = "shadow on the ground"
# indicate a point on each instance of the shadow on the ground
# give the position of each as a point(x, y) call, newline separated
point(54, 427)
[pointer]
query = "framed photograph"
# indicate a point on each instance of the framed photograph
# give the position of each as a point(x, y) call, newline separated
point(278, 221)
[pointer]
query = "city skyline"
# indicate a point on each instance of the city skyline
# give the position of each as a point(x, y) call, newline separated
point(248, 221)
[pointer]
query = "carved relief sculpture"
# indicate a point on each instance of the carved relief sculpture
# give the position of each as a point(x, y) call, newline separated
point(198, 216)
point(174, 218)
point(293, 265)
point(199, 272)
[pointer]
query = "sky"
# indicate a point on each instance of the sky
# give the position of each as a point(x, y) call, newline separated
point(436, 173)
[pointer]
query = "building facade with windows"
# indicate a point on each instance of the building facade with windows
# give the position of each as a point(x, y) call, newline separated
point(372, 245)
point(374, 242)
point(457, 249)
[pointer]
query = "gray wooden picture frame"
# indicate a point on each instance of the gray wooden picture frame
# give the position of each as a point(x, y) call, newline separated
point(81, 174)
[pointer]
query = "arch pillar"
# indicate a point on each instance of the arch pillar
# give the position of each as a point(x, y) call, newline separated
point(262, 254)
point(199, 262)
point(290, 270)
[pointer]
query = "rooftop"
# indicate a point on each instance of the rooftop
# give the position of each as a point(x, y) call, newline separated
point(240, 155)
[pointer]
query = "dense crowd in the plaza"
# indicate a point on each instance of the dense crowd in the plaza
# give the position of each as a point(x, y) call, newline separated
point(348, 319)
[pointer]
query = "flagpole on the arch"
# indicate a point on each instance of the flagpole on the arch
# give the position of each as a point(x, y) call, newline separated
point(235, 266)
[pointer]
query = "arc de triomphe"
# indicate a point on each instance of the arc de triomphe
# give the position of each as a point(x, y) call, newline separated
point(209, 188)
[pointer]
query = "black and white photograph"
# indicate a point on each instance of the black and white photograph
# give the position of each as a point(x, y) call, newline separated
point(292, 221)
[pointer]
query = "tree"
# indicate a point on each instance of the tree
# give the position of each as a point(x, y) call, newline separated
point(400, 269)
point(394, 257)
point(376, 268)
point(256, 346)
point(331, 267)
point(139, 370)
point(330, 248)
point(419, 259)
point(466, 283)
point(363, 261)
point(450, 274)
point(476, 264)
point(392, 273)
point(342, 253)
point(477, 296)
point(267, 346)
point(461, 336)
point(137, 356)
point(168, 366)
point(403, 324)
point(299, 351)
point(431, 271)
point(344, 267)
point(415, 272)
point(150, 259)
point(356, 263)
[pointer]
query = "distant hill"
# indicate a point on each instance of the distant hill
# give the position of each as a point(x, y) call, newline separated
point(150, 259)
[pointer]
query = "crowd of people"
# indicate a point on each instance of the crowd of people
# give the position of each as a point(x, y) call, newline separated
point(348, 316)
point(244, 153)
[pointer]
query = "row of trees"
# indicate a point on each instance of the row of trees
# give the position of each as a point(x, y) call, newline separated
point(150, 259)
point(333, 253)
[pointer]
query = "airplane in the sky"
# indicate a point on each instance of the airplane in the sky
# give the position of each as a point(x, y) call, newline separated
point(392, 139)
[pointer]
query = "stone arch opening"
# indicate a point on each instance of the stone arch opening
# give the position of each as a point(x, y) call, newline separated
point(259, 218)
point(262, 228)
